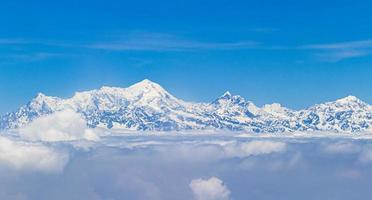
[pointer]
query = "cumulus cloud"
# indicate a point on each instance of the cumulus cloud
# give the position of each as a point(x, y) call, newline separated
point(210, 189)
point(61, 126)
point(253, 148)
point(31, 156)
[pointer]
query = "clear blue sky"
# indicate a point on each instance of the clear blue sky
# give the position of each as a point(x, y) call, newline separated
point(293, 52)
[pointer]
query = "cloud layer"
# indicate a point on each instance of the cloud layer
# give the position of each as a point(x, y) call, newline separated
point(167, 167)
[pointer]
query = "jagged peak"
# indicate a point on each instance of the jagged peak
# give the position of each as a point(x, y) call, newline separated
point(42, 97)
point(226, 94)
point(227, 97)
point(41, 100)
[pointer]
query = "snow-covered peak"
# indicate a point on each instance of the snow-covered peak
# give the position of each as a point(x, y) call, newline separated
point(145, 93)
point(41, 101)
point(148, 89)
point(346, 103)
point(228, 103)
point(226, 95)
point(343, 104)
point(148, 106)
point(146, 83)
point(40, 97)
point(349, 99)
point(228, 98)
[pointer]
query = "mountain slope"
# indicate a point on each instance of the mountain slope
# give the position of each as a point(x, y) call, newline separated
point(148, 106)
point(346, 114)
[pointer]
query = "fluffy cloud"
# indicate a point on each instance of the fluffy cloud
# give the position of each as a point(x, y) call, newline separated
point(253, 148)
point(31, 156)
point(60, 126)
point(209, 189)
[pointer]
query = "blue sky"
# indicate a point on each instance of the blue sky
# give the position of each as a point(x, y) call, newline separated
point(294, 52)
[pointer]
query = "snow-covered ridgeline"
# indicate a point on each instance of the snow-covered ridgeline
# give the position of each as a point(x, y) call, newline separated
point(147, 106)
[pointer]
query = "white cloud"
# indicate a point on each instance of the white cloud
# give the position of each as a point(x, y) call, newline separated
point(342, 147)
point(60, 126)
point(31, 156)
point(253, 148)
point(210, 189)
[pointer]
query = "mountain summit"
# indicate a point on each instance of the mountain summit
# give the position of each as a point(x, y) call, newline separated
point(148, 106)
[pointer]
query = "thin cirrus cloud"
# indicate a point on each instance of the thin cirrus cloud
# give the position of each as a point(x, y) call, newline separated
point(163, 42)
point(15, 50)
point(166, 42)
point(154, 42)
point(334, 52)
point(138, 42)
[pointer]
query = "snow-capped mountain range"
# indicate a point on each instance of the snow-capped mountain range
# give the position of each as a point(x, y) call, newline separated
point(147, 106)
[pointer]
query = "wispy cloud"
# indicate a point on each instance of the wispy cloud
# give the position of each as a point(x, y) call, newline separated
point(38, 42)
point(7, 41)
point(166, 42)
point(16, 57)
point(341, 45)
point(163, 42)
point(339, 51)
point(17, 50)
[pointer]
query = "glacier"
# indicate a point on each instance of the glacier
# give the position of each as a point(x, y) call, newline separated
point(146, 106)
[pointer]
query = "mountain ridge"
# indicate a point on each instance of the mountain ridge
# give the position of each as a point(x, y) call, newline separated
point(148, 106)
